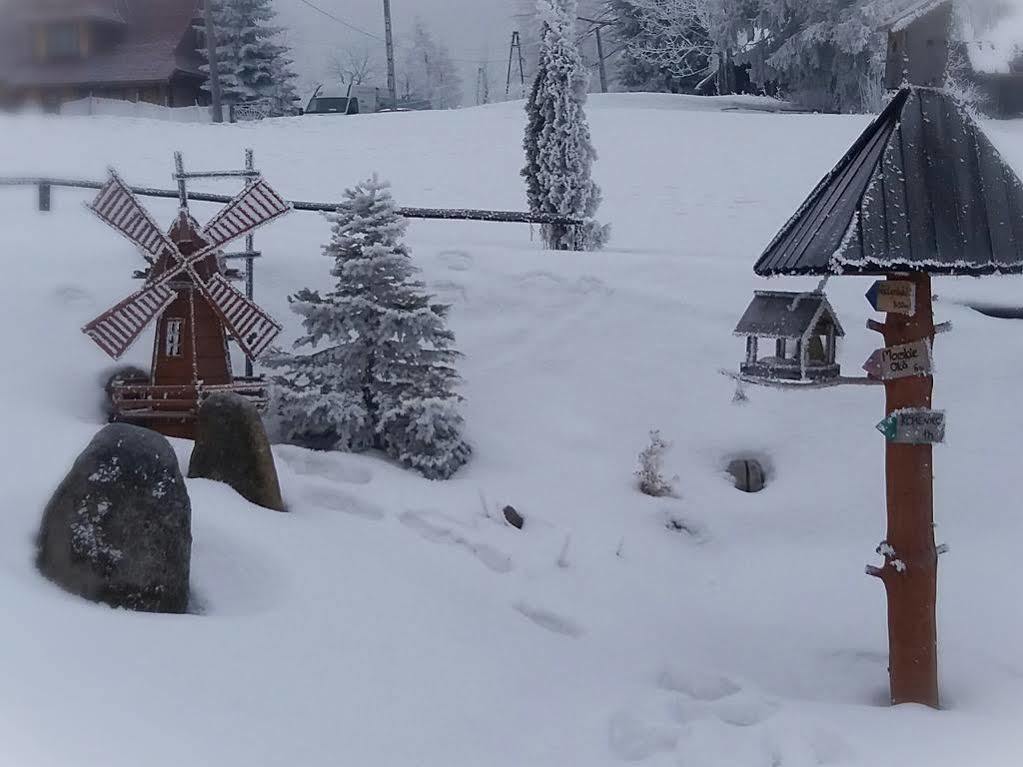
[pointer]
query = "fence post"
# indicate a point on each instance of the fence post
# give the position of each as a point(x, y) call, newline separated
point(44, 197)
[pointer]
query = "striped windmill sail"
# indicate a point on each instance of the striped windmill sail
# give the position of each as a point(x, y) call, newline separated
point(258, 204)
point(119, 208)
point(253, 329)
point(118, 328)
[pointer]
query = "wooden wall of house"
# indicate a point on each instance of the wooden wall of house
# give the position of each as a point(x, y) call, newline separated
point(919, 53)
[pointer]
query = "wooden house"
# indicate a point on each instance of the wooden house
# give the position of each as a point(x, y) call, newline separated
point(923, 42)
point(54, 51)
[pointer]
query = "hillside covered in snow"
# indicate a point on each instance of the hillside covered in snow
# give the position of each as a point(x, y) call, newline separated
point(392, 621)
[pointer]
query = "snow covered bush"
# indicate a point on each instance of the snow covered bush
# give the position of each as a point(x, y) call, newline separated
point(651, 467)
point(251, 64)
point(559, 152)
point(385, 376)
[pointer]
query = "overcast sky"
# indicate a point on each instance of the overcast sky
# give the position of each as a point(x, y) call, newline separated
point(472, 30)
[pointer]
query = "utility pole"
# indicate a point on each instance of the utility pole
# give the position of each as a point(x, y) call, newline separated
point(598, 26)
point(483, 85)
point(392, 82)
point(211, 57)
point(603, 66)
point(516, 45)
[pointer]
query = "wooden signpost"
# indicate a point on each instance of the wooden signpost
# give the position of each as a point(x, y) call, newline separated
point(910, 571)
point(900, 361)
point(921, 193)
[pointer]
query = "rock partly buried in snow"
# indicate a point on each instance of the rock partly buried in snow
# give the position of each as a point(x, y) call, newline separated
point(119, 528)
point(123, 374)
point(748, 475)
point(231, 446)
point(513, 518)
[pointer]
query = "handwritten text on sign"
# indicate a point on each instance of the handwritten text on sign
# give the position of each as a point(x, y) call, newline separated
point(900, 361)
point(893, 296)
point(914, 427)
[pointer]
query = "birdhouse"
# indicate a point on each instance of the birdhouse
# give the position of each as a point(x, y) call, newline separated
point(800, 333)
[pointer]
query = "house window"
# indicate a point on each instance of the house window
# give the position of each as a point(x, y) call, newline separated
point(172, 347)
point(62, 41)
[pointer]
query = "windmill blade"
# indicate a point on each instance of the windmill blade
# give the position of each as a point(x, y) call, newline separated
point(258, 204)
point(252, 328)
point(118, 328)
point(118, 206)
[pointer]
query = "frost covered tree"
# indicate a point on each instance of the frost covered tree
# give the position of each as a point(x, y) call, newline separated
point(430, 72)
point(383, 371)
point(665, 37)
point(559, 152)
point(252, 63)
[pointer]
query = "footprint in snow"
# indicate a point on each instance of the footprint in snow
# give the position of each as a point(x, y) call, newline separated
point(633, 740)
point(549, 620)
point(338, 467)
point(698, 684)
point(438, 528)
point(456, 260)
point(339, 500)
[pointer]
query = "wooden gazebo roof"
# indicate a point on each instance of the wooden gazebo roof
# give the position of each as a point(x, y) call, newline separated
point(923, 189)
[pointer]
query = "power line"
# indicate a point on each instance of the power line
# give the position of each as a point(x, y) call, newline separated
point(341, 21)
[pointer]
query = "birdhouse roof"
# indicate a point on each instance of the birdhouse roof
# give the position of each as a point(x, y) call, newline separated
point(776, 314)
point(922, 190)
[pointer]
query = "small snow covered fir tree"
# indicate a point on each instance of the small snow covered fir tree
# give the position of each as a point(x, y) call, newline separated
point(559, 152)
point(385, 376)
point(253, 65)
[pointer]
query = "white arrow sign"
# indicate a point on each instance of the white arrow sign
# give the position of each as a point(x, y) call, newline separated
point(900, 361)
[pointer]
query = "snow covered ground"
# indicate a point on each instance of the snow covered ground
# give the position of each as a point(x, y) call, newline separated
point(392, 621)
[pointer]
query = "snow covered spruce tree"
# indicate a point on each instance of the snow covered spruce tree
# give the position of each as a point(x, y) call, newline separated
point(385, 377)
point(252, 64)
point(559, 152)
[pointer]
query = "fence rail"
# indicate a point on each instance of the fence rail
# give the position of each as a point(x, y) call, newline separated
point(45, 185)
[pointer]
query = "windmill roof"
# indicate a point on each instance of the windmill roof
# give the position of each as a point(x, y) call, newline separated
point(777, 314)
point(923, 189)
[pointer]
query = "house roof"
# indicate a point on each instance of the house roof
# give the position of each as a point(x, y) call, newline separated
point(777, 314)
point(150, 48)
point(923, 189)
point(916, 9)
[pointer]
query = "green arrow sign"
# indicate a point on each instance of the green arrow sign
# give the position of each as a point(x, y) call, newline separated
point(914, 427)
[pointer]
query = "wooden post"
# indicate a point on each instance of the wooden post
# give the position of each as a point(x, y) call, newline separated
point(44, 197)
point(910, 571)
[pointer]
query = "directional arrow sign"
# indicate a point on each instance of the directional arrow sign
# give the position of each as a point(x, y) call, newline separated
point(893, 296)
point(900, 361)
point(914, 427)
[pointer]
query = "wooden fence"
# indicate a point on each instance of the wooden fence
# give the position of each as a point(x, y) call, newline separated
point(45, 188)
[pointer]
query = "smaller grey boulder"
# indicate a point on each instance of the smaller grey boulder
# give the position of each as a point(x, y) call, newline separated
point(118, 530)
point(748, 475)
point(231, 446)
point(123, 374)
point(513, 518)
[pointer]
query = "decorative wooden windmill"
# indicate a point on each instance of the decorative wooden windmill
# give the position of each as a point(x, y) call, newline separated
point(195, 307)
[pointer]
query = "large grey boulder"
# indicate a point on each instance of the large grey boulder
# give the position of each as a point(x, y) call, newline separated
point(119, 528)
point(231, 446)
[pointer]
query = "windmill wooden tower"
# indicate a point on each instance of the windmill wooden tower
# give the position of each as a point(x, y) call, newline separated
point(195, 307)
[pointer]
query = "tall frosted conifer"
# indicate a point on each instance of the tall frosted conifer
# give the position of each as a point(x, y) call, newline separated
point(559, 152)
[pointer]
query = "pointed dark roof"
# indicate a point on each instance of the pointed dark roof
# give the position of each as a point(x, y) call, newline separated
point(923, 189)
